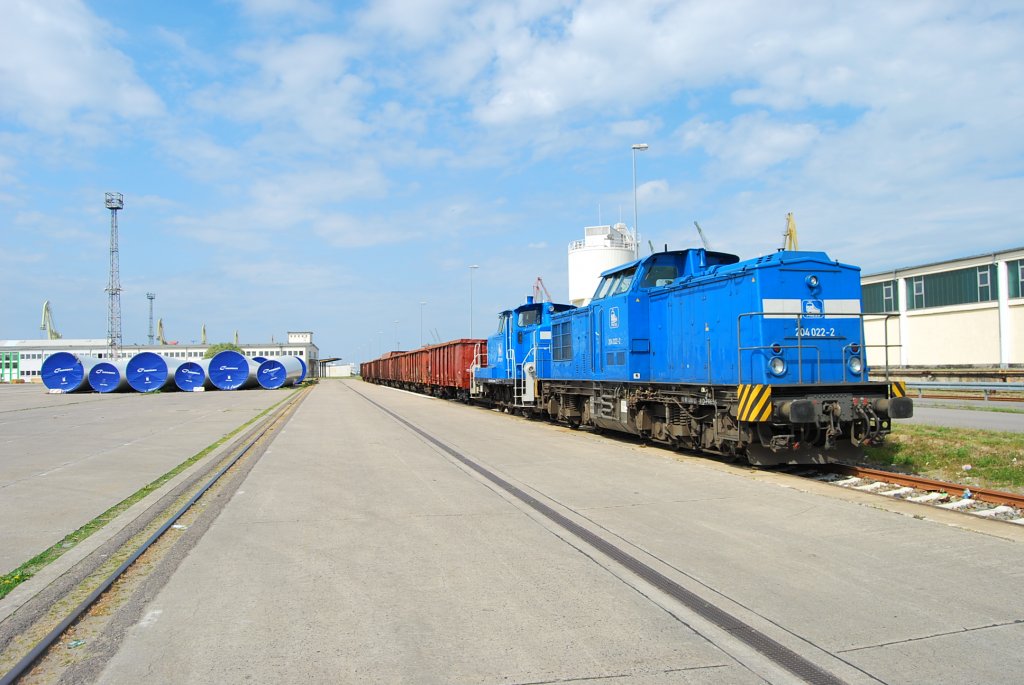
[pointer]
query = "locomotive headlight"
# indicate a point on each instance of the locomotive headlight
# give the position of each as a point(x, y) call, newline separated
point(812, 282)
point(856, 365)
point(777, 365)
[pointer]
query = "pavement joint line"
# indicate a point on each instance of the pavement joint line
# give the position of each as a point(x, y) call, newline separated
point(775, 651)
point(993, 626)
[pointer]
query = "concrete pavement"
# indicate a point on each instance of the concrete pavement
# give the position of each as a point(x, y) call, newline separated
point(64, 459)
point(357, 552)
point(969, 414)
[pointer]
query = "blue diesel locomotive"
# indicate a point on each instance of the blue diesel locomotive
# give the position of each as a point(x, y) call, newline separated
point(762, 359)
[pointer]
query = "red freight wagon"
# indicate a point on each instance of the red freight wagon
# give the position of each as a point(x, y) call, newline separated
point(443, 370)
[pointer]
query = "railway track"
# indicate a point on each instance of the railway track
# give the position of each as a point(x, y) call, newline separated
point(63, 636)
point(981, 502)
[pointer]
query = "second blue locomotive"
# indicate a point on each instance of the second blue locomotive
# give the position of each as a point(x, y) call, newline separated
point(762, 359)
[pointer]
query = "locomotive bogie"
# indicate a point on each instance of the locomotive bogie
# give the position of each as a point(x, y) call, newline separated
point(795, 429)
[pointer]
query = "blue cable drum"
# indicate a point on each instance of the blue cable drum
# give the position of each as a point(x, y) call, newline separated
point(66, 371)
point(259, 360)
point(276, 373)
point(230, 370)
point(149, 371)
point(193, 375)
point(305, 369)
point(108, 376)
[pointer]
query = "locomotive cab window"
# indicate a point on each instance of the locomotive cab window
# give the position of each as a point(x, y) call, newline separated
point(604, 286)
point(661, 274)
point(615, 284)
point(624, 280)
point(530, 317)
point(502, 320)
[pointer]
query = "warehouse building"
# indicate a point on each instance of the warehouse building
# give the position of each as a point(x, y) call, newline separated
point(22, 360)
point(966, 312)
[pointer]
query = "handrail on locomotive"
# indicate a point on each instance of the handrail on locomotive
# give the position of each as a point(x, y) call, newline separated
point(800, 337)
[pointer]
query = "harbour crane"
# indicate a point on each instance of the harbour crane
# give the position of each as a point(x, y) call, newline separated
point(47, 324)
point(538, 289)
point(700, 232)
point(789, 237)
point(160, 334)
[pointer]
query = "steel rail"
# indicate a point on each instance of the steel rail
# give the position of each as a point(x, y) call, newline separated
point(982, 494)
point(48, 641)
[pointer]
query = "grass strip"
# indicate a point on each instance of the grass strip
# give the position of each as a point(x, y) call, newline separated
point(13, 579)
point(990, 459)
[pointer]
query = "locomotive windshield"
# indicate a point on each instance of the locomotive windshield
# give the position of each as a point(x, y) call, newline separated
point(662, 274)
point(615, 284)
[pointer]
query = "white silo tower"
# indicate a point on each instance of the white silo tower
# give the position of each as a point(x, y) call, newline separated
point(602, 248)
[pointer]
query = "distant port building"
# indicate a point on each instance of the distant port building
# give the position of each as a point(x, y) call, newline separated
point(22, 360)
point(966, 312)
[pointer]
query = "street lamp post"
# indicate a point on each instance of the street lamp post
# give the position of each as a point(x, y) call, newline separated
point(636, 234)
point(397, 346)
point(472, 268)
point(422, 304)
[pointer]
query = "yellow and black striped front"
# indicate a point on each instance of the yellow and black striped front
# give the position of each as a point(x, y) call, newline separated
point(755, 403)
point(897, 389)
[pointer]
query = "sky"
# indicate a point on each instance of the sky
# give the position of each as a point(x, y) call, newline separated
point(304, 165)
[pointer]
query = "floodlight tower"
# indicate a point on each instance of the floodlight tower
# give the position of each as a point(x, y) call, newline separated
point(114, 202)
point(150, 297)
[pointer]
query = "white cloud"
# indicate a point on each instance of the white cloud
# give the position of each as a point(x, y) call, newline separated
point(293, 206)
point(417, 23)
point(304, 85)
point(348, 232)
point(7, 178)
point(623, 56)
point(57, 67)
point(749, 144)
point(203, 156)
point(189, 56)
point(307, 10)
point(634, 128)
